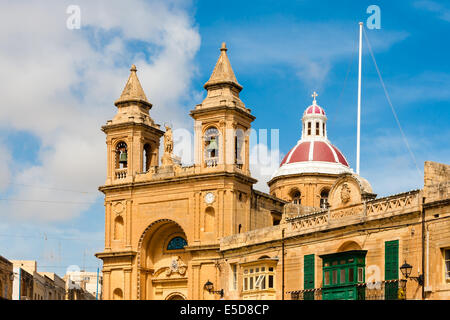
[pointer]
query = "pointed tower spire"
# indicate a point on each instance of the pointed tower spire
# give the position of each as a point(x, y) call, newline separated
point(133, 91)
point(223, 73)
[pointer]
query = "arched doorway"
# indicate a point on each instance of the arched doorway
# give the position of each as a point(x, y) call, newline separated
point(163, 261)
point(175, 296)
point(117, 294)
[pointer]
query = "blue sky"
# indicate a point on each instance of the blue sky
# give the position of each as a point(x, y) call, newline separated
point(59, 86)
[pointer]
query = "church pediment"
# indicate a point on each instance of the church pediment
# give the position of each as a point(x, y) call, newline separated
point(348, 190)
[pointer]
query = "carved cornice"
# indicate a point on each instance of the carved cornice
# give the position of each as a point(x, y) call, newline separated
point(195, 177)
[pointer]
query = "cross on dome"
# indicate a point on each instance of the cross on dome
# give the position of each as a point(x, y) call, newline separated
point(314, 95)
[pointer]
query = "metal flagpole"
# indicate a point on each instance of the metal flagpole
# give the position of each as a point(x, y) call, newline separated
point(358, 138)
point(96, 291)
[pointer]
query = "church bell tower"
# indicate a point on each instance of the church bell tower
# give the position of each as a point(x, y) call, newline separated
point(132, 136)
point(222, 123)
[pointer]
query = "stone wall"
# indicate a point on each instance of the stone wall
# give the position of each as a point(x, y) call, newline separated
point(436, 181)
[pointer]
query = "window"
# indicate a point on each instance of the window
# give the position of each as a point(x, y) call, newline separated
point(342, 276)
point(447, 263)
point(335, 273)
point(296, 197)
point(270, 281)
point(342, 272)
point(360, 275)
point(233, 279)
point(324, 199)
point(351, 275)
point(176, 243)
point(327, 278)
point(317, 129)
point(309, 128)
point(238, 143)
point(259, 278)
point(211, 147)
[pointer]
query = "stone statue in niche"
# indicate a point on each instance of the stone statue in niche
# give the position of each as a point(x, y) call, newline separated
point(167, 159)
point(345, 193)
point(168, 140)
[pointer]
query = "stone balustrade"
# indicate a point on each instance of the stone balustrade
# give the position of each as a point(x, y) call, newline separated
point(121, 173)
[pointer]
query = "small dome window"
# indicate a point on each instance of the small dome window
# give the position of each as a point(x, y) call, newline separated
point(324, 199)
point(296, 197)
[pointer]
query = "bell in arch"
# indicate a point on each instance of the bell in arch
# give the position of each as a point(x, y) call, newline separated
point(123, 157)
point(212, 147)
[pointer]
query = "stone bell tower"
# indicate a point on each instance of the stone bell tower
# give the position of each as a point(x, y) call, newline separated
point(222, 123)
point(132, 136)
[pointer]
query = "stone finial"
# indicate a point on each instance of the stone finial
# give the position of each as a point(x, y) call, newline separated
point(133, 91)
point(224, 47)
point(223, 73)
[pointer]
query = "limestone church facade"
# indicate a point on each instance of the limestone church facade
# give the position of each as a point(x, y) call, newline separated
point(203, 231)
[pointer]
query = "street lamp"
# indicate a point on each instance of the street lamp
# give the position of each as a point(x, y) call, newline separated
point(406, 269)
point(209, 286)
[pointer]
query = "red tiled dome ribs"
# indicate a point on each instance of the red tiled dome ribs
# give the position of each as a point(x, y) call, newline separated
point(321, 151)
point(314, 109)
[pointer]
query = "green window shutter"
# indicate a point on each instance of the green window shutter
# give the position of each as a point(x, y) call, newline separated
point(391, 260)
point(391, 269)
point(308, 273)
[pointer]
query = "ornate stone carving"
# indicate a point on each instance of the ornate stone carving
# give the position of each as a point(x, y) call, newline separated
point(310, 220)
point(345, 193)
point(118, 207)
point(343, 213)
point(392, 205)
point(177, 266)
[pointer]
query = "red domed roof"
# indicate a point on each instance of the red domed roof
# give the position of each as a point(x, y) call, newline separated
point(314, 151)
point(314, 109)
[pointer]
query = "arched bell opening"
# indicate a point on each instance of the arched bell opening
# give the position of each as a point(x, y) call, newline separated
point(121, 154)
point(211, 146)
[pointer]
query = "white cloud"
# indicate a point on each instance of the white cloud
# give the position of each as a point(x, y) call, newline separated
point(60, 85)
point(5, 174)
point(264, 161)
